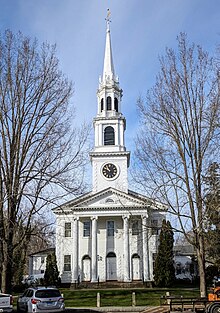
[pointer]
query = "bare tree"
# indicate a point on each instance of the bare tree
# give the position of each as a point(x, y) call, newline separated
point(41, 153)
point(179, 137)
point(41, 236)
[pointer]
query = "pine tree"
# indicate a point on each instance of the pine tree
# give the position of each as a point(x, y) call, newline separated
point(51, 276)
point(55, 269)
point(170, 270)
point(164, 271)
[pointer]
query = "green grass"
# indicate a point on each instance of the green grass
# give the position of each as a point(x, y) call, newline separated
point(122, 297)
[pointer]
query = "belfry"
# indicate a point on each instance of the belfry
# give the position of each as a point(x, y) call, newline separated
point(109, 234)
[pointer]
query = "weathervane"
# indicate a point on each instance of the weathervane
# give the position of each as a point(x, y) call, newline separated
point(108, 17)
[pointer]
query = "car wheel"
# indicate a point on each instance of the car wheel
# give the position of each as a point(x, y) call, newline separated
point(214, 308)
point(18, 308)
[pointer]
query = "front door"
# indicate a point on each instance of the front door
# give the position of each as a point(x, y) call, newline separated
point(111, 266)
point(86, 269)
point(136, 274)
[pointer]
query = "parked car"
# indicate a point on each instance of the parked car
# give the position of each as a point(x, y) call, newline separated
point(41, 299)
point(6, 302)
point(32, 279)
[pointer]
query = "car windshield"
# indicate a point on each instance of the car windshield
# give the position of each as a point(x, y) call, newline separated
point(48, 293)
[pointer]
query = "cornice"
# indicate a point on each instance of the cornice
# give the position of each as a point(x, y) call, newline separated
point(103, 154)
point(109, 154)
point(109, 86)
point(119, 116)
point(118, 210)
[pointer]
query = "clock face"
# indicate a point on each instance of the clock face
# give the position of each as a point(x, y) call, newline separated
point(109, 170)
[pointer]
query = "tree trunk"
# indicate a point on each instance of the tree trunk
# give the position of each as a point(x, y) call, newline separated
point(201, 265)
point(6, 284)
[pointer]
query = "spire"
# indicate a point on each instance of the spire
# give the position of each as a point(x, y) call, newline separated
point(108, 69)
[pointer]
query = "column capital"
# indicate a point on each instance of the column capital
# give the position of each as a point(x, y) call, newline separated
point(144, 216)
point(75, 218)
point(125, 216)
point(94, 217)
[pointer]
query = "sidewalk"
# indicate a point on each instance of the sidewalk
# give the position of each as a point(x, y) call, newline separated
point(129, 309)
point(109, 309)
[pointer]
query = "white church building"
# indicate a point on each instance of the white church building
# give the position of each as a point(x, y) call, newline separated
point(111, 233)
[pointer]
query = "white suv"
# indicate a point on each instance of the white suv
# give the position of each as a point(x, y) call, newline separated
point(41, 299)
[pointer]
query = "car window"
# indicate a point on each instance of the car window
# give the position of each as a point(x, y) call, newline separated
point(48, 293)
point(25, 293)
point(30, 293)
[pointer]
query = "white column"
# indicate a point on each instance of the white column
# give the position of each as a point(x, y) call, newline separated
point(59, 244)
point(145, 249)
point(117, 138)
point(126, 249)
point(75, 250)
point(94, 248)
point(121, 133)
point(100, 135)
point(96, 135)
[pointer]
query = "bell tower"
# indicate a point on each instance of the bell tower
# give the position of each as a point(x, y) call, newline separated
point(109, 158)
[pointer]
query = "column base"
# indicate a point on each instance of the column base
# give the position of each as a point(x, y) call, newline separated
point(94, 280)
point(127, 280)
point(148, 283)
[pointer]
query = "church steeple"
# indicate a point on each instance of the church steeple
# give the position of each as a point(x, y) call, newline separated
point(109, 93)
point(109, 157)
point(108, 69)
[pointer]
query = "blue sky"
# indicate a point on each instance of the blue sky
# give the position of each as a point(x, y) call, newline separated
point(140, 31)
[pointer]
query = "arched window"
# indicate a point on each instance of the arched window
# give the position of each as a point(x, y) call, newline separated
point(135, 256)
point(109, 200)
point(111, 255)
point(102, 104)
point(109, 103)
point(86, 257)
point(116, 104)
point(109, 136)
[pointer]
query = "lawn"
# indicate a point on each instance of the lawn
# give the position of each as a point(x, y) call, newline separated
point(122, 297)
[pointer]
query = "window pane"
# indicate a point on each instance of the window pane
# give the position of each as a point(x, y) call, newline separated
point(116, 104)
point(109, 103)
point(67, 267)
point(67, 258)
point(67, 263)
point(110, 228)
point(109, 136)
point(135, 228)
point(67, 229)
point(86, 229)
point(155, 229)
point(48, 293)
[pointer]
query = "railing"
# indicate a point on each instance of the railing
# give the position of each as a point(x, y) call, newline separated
point(181, 303)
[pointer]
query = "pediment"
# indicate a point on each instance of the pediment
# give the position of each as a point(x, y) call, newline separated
point(110, 197)
point(107, 198)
